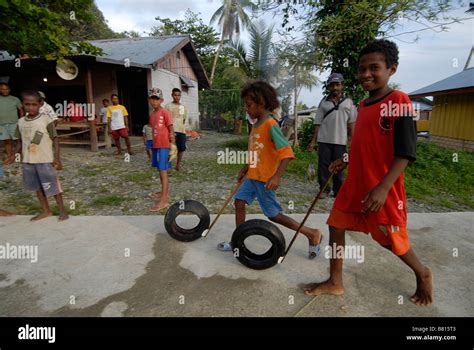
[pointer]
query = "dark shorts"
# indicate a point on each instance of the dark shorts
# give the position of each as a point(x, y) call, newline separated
point(149, 144)
point(116, 134)
point(159, 158)
point(42, 176)
point(180, 141)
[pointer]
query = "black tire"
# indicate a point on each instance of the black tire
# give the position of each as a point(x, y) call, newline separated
point(257, 227)
point(190, 207)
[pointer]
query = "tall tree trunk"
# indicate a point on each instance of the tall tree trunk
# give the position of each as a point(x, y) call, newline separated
point(295, 112)
point(214, 64)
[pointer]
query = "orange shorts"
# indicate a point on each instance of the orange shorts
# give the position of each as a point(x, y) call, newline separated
point(390, 236)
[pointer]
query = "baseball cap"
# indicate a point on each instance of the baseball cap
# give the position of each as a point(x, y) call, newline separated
point(155, 92)
point(335, 78)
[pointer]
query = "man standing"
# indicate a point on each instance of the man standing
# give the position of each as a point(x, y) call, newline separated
point(333, 127)
point(179, 114)
point(10, 109)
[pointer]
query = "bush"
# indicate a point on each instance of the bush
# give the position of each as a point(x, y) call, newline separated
point(305, 133)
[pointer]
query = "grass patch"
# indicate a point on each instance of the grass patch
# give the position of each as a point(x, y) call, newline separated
point(438, 180)
point(108, 201)
point(142, 178)
point(240, 144)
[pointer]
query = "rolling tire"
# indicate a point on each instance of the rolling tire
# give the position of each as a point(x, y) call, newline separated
point(257, 227)
point(190, 207)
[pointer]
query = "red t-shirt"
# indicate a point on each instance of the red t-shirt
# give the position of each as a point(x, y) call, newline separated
point(378, 137)
point(160, 122)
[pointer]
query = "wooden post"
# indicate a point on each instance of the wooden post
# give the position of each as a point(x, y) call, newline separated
point(93, 136)
point(90, 100)
point(108, 139)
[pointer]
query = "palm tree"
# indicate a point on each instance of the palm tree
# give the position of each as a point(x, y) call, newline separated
point(231, 16)
point(257, 61)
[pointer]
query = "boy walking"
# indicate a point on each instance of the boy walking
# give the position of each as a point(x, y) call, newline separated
point(272, 152)
point(372, 199)
point(117, 117)
point(37, 139)
point(163, 151)
point(179, 114)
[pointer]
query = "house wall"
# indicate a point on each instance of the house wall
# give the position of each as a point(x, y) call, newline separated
point(104, 83)
point(453, 118)
point(166, 81)
point(179, 65)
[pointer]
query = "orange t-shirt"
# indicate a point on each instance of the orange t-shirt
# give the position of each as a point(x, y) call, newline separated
point(267, 146)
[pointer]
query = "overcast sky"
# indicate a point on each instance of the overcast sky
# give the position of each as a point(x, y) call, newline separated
point(434, 57)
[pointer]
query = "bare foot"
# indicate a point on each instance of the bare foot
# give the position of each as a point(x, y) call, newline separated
point(155, 195)
point(424, 289)
point(42, 215)
point(326, 287)
point(5, 213)
point(63, 216)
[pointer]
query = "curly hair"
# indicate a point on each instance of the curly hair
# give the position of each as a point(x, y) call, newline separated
point(261, 93)
point(386, 47)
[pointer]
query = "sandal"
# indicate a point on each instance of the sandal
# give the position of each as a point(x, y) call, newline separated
point(159, 207)
point(315, 250)
point(224, 247)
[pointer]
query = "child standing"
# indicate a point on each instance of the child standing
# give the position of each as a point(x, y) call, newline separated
point(117, 117)
point(162, 133)
point(148, 139)
point(39, 145)
point(180, 115)
point(273, 153)
point(372, 199)
point(103, 111)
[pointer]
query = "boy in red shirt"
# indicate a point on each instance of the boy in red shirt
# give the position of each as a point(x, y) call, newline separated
point(161, 124)
point(372, 199)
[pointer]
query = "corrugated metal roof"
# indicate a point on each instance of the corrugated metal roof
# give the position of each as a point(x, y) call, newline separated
point(461, 80)
point(142, 51)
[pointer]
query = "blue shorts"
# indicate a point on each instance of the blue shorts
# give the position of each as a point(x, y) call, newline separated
point(159, 158)
point(251, 189)
point(149, 144)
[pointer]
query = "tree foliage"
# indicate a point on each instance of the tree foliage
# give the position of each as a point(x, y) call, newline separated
point(41, 28)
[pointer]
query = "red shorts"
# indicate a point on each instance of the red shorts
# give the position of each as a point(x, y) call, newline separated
point(394, 237)
point(116, 134)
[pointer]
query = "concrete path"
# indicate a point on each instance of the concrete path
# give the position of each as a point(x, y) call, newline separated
point(129, 266)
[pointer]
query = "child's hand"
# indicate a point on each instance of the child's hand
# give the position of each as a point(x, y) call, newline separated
point(312, 146)
point(242, 173)
point(57, 164)
point(337, 166)
point(173, 152)
point(375, 199)
point(273, 183)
